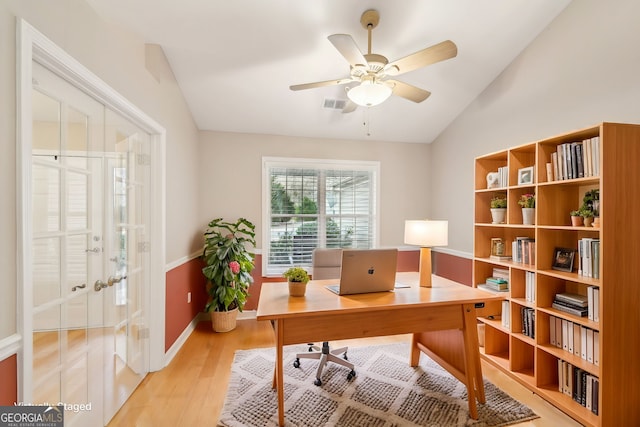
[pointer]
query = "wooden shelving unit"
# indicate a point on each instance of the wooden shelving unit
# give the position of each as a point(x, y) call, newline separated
point(534, 362)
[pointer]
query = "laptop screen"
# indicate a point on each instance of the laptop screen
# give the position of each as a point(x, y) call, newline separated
point(366, 270)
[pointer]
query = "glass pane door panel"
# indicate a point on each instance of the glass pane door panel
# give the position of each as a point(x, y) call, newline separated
point(47, 343)
point(75, 388)
point(77, 191)
point(46, 124)
point(78, 246)
point(77, 140)
point(45, 197)
point(46, 272)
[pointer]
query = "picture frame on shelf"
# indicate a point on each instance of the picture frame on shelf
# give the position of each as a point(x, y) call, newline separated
point(525, 176)
point(563, 259)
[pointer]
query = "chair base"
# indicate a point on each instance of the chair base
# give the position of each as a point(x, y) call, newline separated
point(325, 354)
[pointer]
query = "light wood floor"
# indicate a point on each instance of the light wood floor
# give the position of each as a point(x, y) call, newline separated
point(190, 391)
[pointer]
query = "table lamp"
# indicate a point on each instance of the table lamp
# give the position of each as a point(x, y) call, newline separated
point(426, 234)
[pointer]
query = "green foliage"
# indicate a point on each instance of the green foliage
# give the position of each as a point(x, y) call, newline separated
point(498, 202)
point(296, 274)
point(590, 203)
point(280, 202)
point(527, 200)
point(310, 229)
point(225, 250)
point(308, 206)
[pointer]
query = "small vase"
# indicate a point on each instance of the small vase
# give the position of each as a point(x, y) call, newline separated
point(576, 221)
point(596, 222)
point(497, 215)
point(224, 321)
point(528, 216)
point(588, 220)
point(297, 289)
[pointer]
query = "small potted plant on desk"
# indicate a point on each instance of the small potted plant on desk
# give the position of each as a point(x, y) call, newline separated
point(297, 277)
point(228, 266)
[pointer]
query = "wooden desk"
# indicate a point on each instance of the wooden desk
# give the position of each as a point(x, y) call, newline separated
point(442, 320)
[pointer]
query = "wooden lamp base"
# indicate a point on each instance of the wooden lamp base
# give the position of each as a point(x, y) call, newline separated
point(425, 267)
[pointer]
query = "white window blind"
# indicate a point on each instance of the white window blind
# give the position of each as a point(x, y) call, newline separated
point(316, 203)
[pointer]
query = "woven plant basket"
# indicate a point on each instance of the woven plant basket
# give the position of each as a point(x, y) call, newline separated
point(224, 321)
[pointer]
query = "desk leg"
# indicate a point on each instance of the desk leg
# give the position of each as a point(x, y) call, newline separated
point(278, 372)
point(474, 367)
point(414, 357)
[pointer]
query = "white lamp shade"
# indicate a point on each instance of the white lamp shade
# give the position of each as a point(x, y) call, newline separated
point(426, 233)
point(369, 93)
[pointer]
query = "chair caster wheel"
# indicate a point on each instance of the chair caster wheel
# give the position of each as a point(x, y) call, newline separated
point(351, 375)
point(345, 356)
point(318, 382)
point(310, 349)
point(296, 363)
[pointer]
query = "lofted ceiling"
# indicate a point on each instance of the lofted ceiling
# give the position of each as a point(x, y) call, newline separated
point(235, 60)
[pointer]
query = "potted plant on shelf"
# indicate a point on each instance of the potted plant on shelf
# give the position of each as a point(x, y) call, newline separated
point(587, 217)
point(297, 277)
point(228, 265)
point(576, 217)
point(498, 206)
point(528, 204)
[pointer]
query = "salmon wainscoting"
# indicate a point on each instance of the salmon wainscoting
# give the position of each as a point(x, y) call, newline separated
point(9, 383)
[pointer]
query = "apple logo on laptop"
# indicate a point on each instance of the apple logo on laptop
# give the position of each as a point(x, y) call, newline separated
point(370, 271)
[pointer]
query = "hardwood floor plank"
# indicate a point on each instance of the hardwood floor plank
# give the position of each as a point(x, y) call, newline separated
point(190, 391)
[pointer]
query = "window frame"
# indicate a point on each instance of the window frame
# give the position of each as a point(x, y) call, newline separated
point(314, 164)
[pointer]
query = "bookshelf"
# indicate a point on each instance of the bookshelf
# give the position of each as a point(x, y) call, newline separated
point(538, 362)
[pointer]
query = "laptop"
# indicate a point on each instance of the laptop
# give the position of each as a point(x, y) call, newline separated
point(366, 270)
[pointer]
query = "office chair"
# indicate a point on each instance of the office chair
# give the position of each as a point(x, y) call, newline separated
point(326, 265)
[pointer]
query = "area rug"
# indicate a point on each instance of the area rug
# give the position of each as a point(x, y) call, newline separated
point(385, 392)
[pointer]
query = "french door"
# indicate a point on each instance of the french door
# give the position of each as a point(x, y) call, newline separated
point(90, 257)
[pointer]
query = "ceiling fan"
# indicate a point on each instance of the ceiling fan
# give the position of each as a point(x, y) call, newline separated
point(373, 72)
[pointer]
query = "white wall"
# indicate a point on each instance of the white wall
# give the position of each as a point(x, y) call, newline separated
point(582, 70)
point(138, 72)
point(231, 169)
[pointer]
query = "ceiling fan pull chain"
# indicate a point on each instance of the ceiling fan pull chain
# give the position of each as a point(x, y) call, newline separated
point(367, 121)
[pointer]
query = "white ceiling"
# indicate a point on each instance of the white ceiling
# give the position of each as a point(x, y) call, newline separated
point(234, 60)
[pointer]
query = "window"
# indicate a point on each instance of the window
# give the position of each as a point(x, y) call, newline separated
point(316, 203)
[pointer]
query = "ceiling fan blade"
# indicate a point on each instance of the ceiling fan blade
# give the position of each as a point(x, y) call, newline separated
point(348, 48)
point(408, 91)
point(321, 84)
point(349, 107)
point(436, 53)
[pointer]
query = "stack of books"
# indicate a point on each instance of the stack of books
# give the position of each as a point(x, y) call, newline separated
point(575, 304)
point(497, 284)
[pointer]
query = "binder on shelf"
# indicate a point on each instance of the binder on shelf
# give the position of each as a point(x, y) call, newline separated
point(589, 345)
point(577, 339)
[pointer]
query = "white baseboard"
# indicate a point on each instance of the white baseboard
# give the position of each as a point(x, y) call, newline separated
point(177, 345)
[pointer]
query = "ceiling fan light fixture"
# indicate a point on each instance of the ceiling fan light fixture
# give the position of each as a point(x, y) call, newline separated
point(369, 93)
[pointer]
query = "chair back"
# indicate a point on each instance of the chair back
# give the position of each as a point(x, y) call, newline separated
point(326, 263)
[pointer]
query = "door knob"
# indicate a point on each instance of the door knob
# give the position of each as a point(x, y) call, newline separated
point(99, 285)
point(75, 288)
point(111, 280)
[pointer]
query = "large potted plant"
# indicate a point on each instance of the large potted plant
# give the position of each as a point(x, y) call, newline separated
point(228, 265)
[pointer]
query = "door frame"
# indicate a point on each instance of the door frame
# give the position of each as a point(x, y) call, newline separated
point(33, 45)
